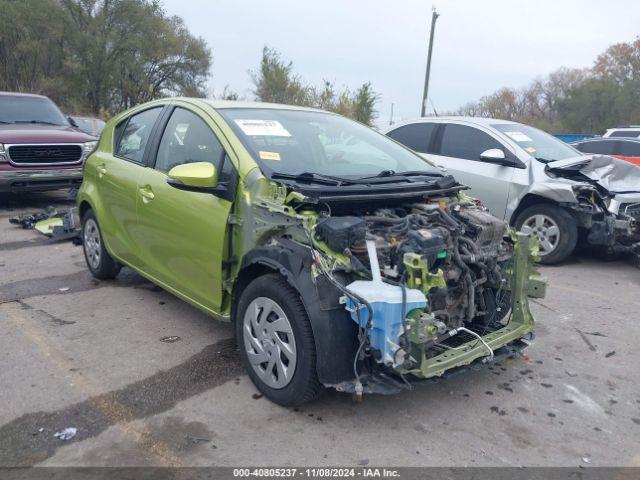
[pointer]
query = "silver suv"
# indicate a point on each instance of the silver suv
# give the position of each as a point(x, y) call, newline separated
point(539, 184)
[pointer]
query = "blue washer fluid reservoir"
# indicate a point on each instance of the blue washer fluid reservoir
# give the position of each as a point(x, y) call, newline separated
point(386, 303)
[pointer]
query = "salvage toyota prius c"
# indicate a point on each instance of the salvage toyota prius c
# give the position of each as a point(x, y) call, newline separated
point(344, 259)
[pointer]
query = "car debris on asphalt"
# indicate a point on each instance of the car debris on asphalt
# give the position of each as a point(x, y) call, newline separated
point(28, 221)
point(170, 339)
point(56, 224)
point(66, 434)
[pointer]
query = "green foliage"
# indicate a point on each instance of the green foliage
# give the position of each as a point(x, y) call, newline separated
point(99, 56)
point(228, 94)
point(31, 42)
point(276, 82)
point(582, 108)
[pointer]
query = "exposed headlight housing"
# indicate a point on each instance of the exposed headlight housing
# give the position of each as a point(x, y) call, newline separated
point(89, 148)
point(3, 154)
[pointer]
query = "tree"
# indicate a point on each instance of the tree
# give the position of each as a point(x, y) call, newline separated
point(32, 46)
point(276, 82)
point(591, 106)
point(364, 101)
point(130, 51)
point(535, 104)
point(228, 94)
point(576, 100)
point(99, 55)
point(619, 62)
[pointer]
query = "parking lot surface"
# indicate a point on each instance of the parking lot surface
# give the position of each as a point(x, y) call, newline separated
point(146, 379)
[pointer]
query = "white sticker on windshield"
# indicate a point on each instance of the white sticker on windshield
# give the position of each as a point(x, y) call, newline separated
point(259, 128)
point(518, 136)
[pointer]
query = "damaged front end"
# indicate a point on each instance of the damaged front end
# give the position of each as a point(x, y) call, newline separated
point(607, 205)
point(398, 291)
point(444, 289)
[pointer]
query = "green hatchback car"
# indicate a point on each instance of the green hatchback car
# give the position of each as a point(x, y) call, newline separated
point(344, 259)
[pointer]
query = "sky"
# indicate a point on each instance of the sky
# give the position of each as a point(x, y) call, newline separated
point(479, 46)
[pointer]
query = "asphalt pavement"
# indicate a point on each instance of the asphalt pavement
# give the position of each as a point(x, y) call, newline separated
point(146, 379)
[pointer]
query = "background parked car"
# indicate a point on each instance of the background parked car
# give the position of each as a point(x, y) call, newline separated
point(538, 183)
point(90, 125)
point(39, 148)
point(632, 131)
point(623, 148)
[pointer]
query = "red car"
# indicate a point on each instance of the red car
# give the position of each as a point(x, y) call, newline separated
point(623, 148)
point(39, 148)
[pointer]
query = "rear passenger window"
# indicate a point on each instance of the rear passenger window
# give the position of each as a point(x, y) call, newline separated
point(603, 147)
point(133, 134)
point(416, 136)
point(630, 149)
point(460, 141)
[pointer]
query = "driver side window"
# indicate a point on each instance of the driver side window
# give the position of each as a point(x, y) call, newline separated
point(460, 141)
point(187, 139)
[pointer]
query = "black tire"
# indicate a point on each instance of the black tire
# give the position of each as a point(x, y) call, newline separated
point(303, 385)
point(568, 236)
point(105, 267)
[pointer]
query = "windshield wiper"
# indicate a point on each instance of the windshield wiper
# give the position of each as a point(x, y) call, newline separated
point(312, 177)
point(43, 122)
point(408, 173)
point(544, 160)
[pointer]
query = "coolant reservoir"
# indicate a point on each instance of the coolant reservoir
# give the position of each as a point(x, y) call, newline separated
point(386, 303)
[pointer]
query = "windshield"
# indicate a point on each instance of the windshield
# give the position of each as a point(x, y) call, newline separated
point(293, 142)
point(540, 145)
point(18, 109)
point(92, 126)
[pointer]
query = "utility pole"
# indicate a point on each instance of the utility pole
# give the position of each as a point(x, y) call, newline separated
point(391, 116)
point(434, 17)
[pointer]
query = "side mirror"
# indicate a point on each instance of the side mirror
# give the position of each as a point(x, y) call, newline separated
point(72, 122)
point(497, 156)
point(194, 177)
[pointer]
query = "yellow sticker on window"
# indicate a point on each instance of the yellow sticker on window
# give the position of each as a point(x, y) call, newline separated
point(269, 155)
point(530, 149)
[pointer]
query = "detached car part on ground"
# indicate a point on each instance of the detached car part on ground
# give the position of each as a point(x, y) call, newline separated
point(57, 225)
point(534, 181)
point(344, 259)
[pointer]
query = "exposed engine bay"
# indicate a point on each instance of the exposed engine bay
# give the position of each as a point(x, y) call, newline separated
point(437, 279)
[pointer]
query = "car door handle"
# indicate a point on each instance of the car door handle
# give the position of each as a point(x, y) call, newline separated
point(102, 170)
point(146, 193)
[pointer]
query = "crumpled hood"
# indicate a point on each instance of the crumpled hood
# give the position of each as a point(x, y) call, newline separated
point(612, 174)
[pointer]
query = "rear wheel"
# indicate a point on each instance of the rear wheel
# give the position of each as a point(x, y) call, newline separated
point(276, 341)
point(554, 227)
point(100, 263)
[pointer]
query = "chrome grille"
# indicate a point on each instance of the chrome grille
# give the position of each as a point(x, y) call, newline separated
point(54, 154)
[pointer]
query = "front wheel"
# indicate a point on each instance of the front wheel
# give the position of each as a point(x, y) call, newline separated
point(554, 227)
point(100, 263)
point(276, 342)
